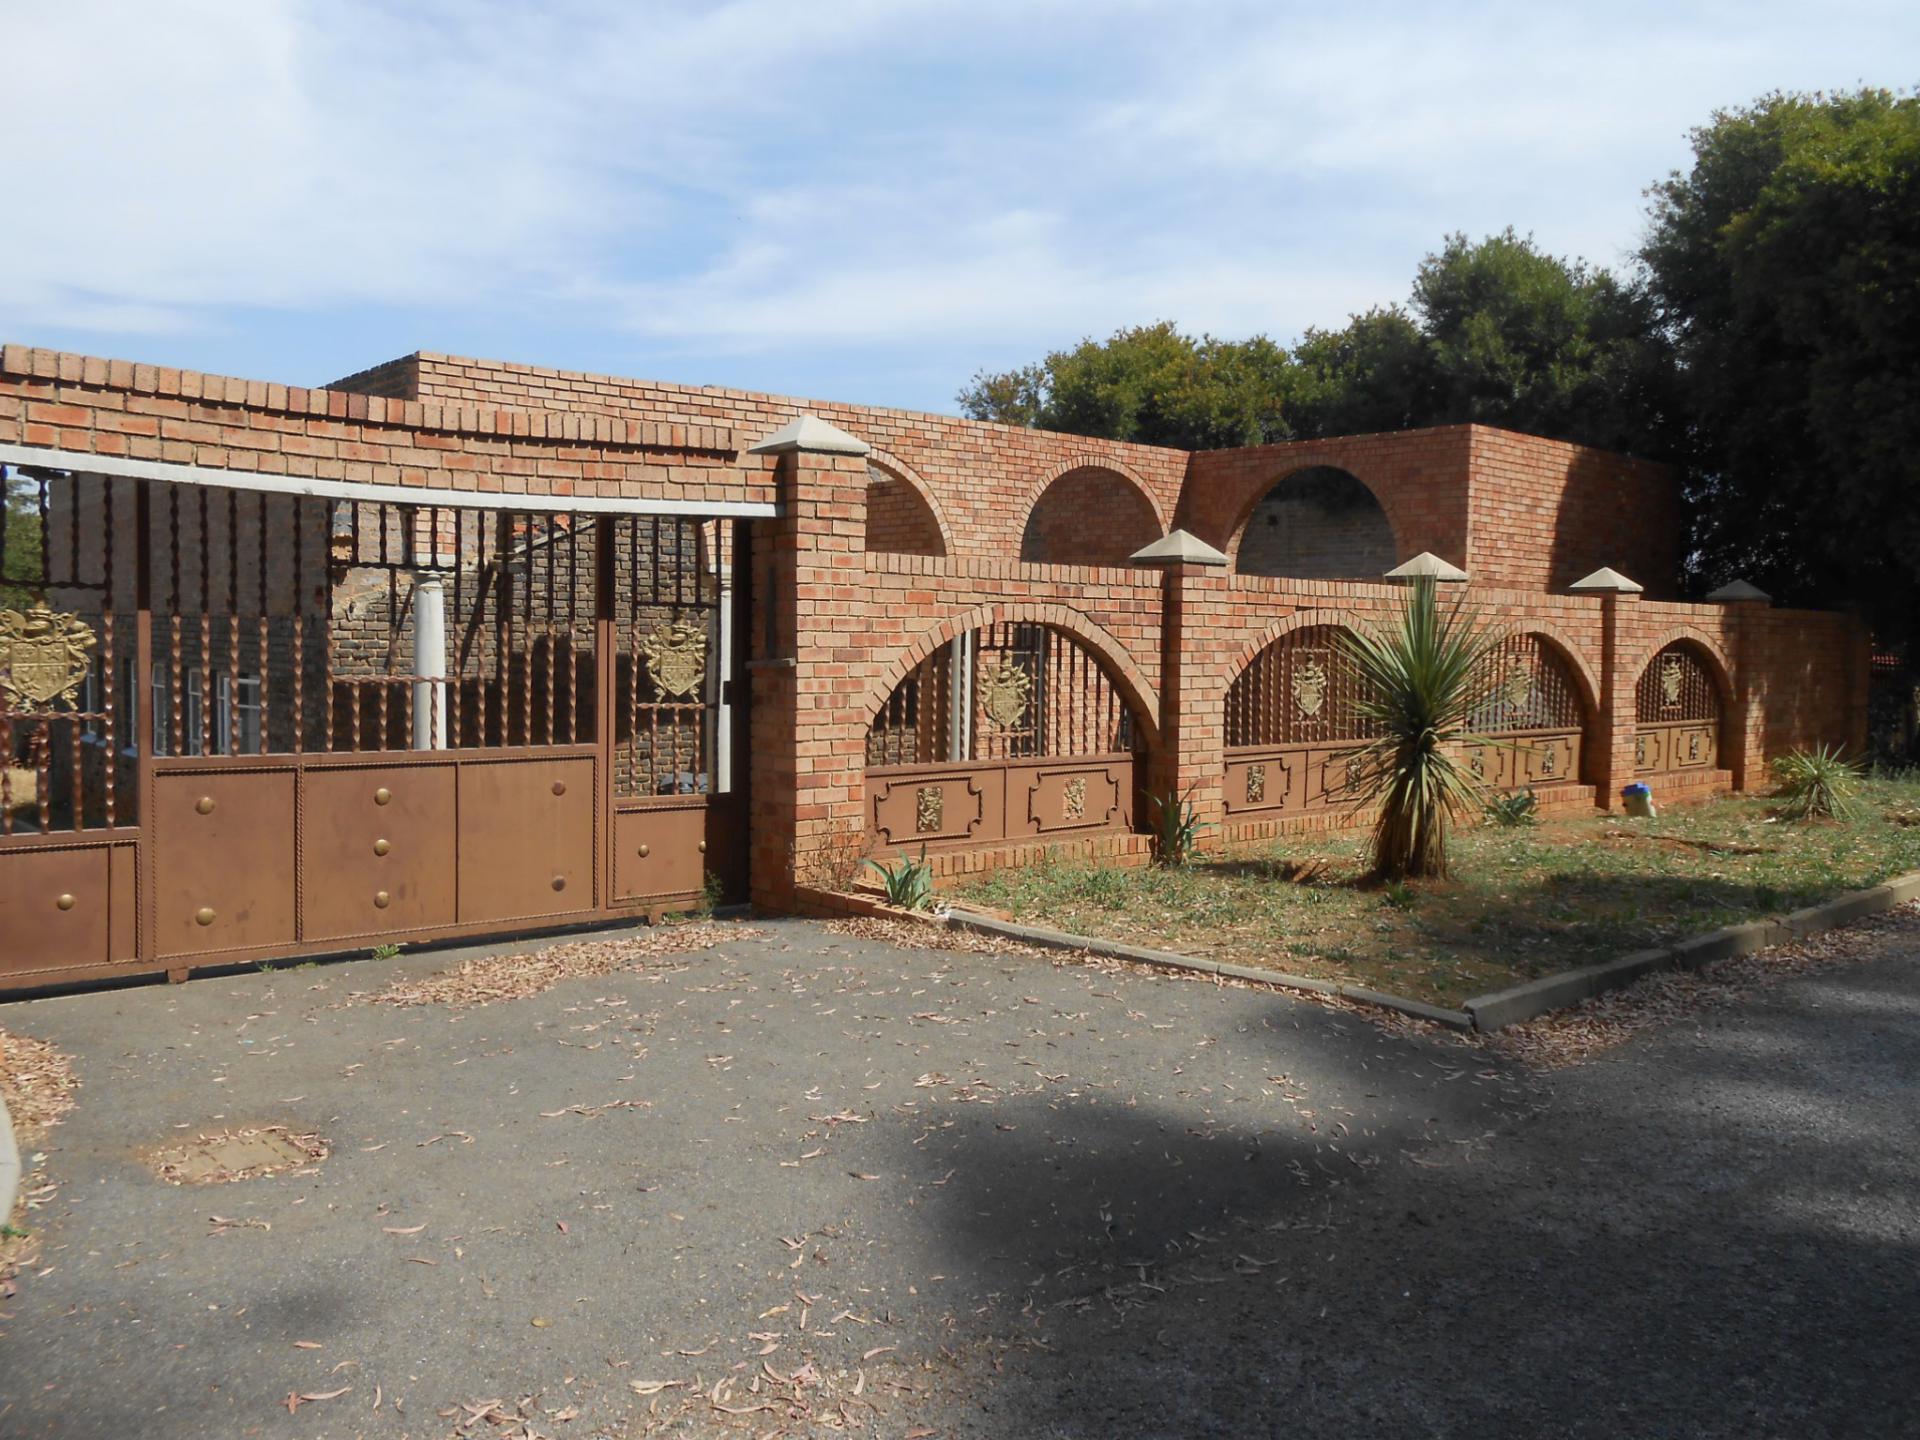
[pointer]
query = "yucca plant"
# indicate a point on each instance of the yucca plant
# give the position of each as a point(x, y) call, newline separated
point(909, 884)
point(1421, 678)
point(1820, 782)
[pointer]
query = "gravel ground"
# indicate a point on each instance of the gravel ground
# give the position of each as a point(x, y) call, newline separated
point(809, 1183)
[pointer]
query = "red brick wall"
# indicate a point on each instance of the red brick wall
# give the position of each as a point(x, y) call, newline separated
point(984, 477)
point(1089, 516)
point(1542, 514)
point(899, 519)
point(147, 412)
point(1418, 476)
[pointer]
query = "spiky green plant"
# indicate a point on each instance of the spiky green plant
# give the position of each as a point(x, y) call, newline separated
point(1421, 677)
point(909, 884)
point(1515, 808)
point(1816, 783)
point(1176, 825)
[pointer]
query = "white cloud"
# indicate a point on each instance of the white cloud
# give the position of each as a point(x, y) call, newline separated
point(725, 178)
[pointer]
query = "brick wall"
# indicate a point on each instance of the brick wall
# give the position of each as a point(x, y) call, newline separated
point(1318, 525)
point(1089, 516)
point(873, 564)
point(1542, 514)
point(984, 477)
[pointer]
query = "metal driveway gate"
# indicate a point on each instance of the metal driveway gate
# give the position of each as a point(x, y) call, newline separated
point(239, 724)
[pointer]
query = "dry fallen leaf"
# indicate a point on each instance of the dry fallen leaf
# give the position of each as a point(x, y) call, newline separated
point(308, 1345)
point(654, 1387)
point(396, 1230)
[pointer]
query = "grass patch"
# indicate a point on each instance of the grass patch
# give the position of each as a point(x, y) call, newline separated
point(1523, 902)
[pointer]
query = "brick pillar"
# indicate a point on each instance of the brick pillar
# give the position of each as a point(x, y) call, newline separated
point(1859, 733)
point(1745, 734)
point(1192, 751)
point(1618, 718)
point(1612, 767)
point(809, 695)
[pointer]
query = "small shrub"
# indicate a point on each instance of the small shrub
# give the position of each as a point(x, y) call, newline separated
point(908, 883)
point(1816, 783)
point(386, 952)
point(1176, 827)
point(1517, 807)
point(831, 861)
point(1400, 895)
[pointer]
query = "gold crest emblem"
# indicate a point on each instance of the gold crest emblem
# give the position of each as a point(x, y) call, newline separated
point(1310, 687)
point(44, 655)
point(1672, 676)
point(929, 809)
point(1073, 802)
point(676, 656)
point(1003, 694)
point(1517, 690)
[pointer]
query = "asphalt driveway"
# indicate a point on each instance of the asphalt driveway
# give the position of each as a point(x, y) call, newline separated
point(813, 1183)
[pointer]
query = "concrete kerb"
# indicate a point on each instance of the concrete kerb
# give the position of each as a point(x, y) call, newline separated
point(1167, 960)
point(1556, 992)
point(9, 1164)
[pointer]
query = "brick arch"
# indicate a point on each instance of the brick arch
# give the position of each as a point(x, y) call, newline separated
point(1299, 620)
point(1134, 687)
point(1584, 674)
point(1237, 532)
point(1717, 663)
point(883, 461)
point(1085, 463)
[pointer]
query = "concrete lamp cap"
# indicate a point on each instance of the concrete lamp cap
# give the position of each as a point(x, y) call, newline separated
point(1607, 581)
point(1426, 566)
point(1178, 548)
point(812, 434)
point(1737, 590)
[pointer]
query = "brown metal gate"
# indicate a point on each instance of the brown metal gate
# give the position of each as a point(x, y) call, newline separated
point(240, 724)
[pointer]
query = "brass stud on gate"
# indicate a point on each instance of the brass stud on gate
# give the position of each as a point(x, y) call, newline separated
point(381, 899)
point(559, 882)
point(645, 850)
point(703, 847)
point(559, 787)
point(381, 847)
point(382, 795)
point(204, 805)
point(203, 916)
point(65, 902)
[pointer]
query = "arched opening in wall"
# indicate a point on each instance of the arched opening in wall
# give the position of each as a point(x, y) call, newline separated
point(1008, 732)
point(899, 519)
point(1679, 712)
point(1292, 723)
point(1533, 713)
point(1089, 516)
point(1318, 524)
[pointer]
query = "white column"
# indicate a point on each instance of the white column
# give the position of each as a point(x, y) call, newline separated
point(718, 673)
point(429, 663)
point(960, 700)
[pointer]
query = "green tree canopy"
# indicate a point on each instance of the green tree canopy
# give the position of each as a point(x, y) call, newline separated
point(1785, 270)
point(1150, 383)
point(1497, 332)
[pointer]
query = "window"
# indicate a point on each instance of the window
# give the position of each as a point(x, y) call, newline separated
point(236, 716)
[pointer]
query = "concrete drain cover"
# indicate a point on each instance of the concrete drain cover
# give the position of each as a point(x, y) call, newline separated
point(228, 1155)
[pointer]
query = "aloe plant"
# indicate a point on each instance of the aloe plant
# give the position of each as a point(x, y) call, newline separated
point(1421, 678)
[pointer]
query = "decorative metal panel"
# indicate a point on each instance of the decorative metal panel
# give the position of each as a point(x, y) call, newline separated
point(1300, 690)
point(1677, 685)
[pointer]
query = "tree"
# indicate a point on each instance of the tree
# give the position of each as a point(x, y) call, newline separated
point(1533, 342)
point(20, 563)
point(1150, 384)
point(1498, 332)
point(1785, 271)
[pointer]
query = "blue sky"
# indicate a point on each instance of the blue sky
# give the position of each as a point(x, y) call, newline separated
point(846, 198)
